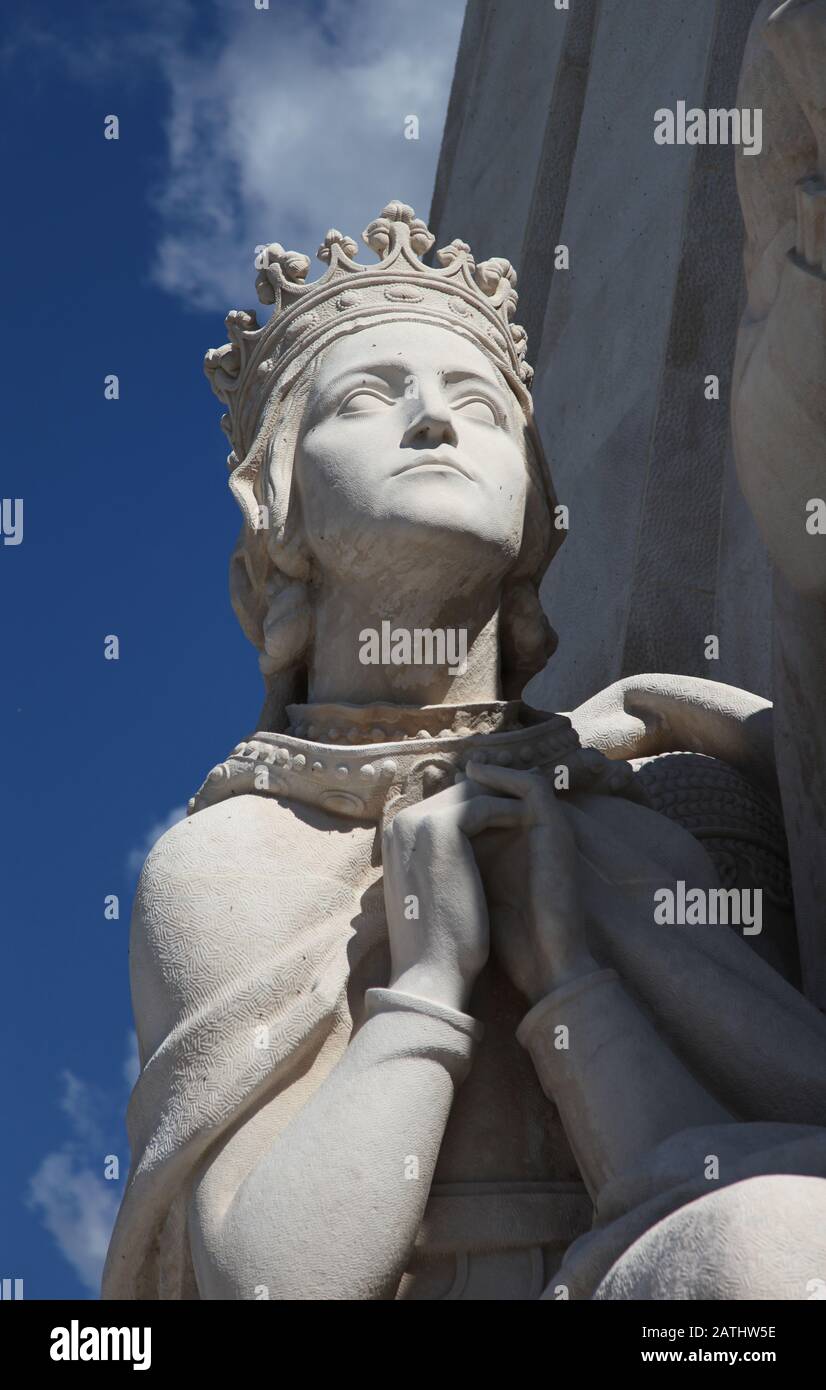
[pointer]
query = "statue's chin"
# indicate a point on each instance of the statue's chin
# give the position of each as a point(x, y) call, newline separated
point(451, 534)
point(449, 502)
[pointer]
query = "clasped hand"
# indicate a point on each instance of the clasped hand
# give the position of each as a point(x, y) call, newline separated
point(437, 909)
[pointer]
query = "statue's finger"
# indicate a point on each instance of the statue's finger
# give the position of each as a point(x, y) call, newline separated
point(529, 787)
point(490, 813)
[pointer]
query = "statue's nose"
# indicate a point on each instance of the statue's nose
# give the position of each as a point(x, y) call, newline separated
point(432, 423)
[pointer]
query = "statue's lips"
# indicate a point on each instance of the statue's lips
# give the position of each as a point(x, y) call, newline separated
point(428, 461)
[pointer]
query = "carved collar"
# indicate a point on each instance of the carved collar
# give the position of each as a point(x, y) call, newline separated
point(368, 761)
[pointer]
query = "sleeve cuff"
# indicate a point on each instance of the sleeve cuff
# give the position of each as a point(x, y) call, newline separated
point(810, 244)
point(378, 1001)
point(551, 1004)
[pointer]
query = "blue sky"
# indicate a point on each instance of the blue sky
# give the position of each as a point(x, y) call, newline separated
point(237, 126)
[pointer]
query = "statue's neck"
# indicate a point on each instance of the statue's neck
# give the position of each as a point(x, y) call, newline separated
point(375, 647)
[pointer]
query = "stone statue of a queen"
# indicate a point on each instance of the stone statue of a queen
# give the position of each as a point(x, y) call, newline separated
point(409, 1025)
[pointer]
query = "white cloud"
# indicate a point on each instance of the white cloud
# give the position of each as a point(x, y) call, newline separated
point(293, 124)
point(82, 1103)
point(78, 1208)
point(131, 1064)
point(279, 123)
point(76, 1203)
point(136, 856)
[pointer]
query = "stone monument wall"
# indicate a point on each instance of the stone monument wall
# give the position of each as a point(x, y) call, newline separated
point(549, 141)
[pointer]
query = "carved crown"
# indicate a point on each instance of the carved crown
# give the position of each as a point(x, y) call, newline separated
point(259, 362)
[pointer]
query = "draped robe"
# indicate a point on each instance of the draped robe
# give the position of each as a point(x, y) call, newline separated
point(259, 924)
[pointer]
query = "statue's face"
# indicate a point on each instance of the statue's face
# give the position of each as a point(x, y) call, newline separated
point(411, 448)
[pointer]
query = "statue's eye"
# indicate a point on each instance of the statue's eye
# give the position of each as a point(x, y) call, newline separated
point(362, 402)
point(477, 408)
